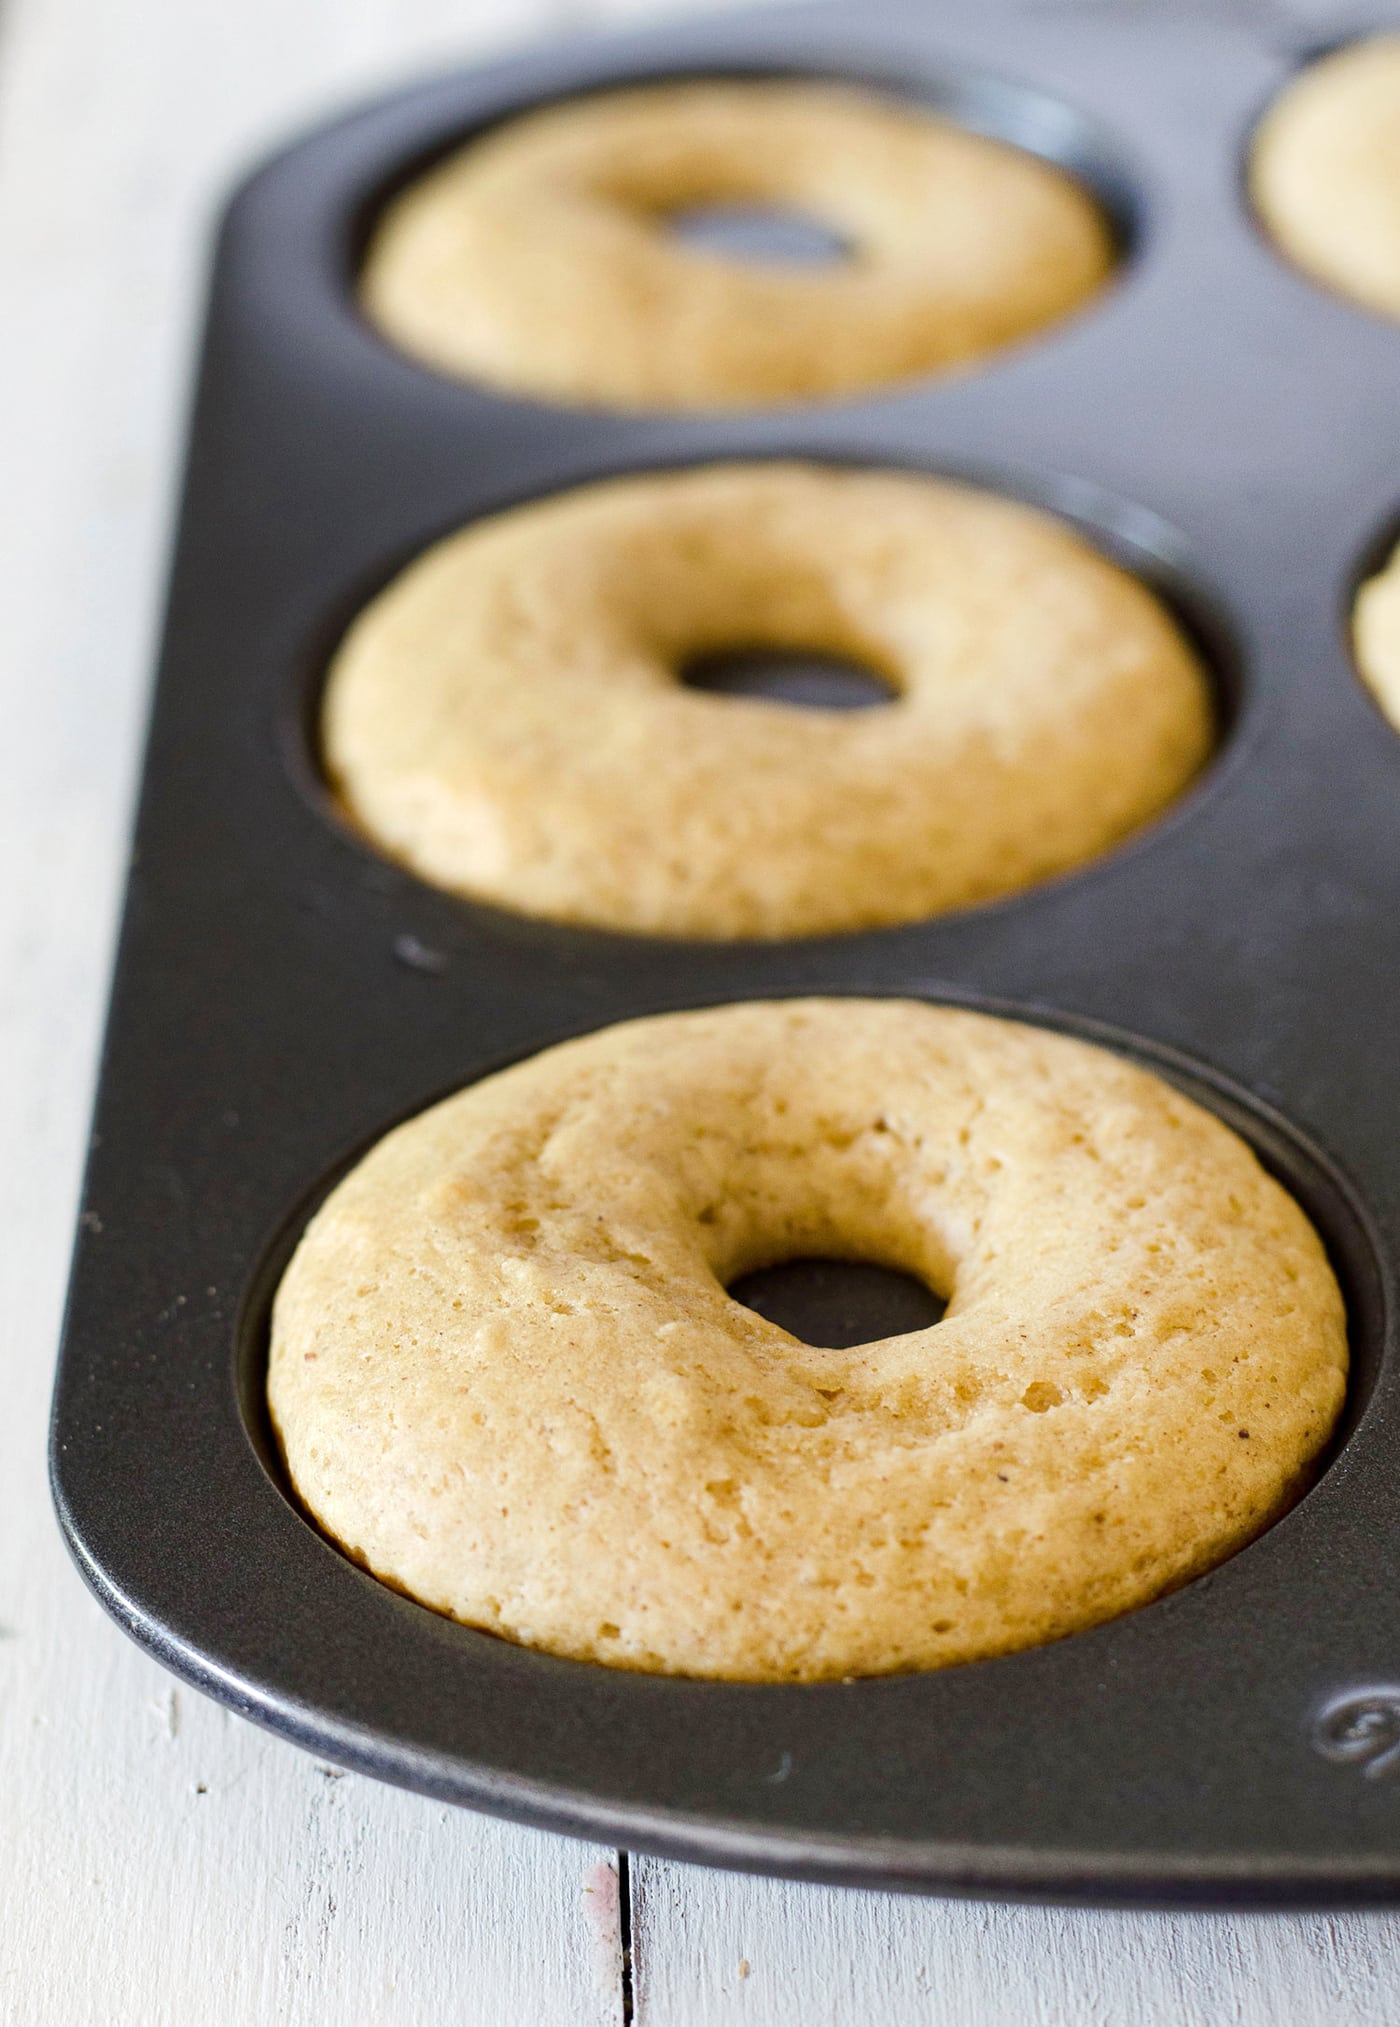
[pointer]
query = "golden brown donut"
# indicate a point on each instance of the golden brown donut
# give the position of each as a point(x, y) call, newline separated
point(507, 1377)
point(506, 718)
point(538, 259)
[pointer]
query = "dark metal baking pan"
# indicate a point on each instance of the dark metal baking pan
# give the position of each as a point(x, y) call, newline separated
point(282, 995)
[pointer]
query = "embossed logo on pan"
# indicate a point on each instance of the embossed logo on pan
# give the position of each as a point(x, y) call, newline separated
point(1361, 1728)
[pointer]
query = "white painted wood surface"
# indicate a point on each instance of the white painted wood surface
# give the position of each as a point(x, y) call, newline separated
point(711, 1949)
point(160, 1862)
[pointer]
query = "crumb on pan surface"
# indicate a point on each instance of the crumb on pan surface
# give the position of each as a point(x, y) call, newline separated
point(507, 719)
point(507, 1376)
point(537, 258)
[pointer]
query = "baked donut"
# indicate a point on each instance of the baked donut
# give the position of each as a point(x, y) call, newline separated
point(538, 259)
point(507, 1377)
point(506, 718)
point(1376, 637)
point(1325, 172)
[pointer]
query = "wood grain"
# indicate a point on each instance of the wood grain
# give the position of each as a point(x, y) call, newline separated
point(713, 1948)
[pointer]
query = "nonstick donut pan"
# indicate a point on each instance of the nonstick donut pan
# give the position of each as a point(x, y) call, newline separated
point(283, 995)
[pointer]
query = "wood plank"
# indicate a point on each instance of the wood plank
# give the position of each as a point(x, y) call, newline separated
point(160, 1861)
point(713, 1948)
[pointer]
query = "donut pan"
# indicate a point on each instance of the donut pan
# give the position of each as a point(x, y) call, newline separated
point(282, 996)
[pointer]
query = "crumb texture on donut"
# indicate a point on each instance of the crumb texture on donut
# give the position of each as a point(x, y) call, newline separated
point(507, 1376)
point(539, 259)
point(507, 718)
point(1376, 637)
point(1325, 172)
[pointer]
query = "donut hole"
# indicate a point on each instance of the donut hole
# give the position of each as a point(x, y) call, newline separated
point(777, 235)
point(802, 677)
point(835, 1305)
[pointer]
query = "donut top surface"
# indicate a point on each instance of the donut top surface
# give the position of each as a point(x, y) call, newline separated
point(539, 258)
point(508, 1378)
point(1325, 173)
point(508, 718)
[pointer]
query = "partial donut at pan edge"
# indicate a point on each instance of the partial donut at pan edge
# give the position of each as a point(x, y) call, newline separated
point(1376, 636)
point(1325, 172)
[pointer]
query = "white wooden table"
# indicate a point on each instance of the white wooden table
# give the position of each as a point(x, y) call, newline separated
point(161, 1862)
